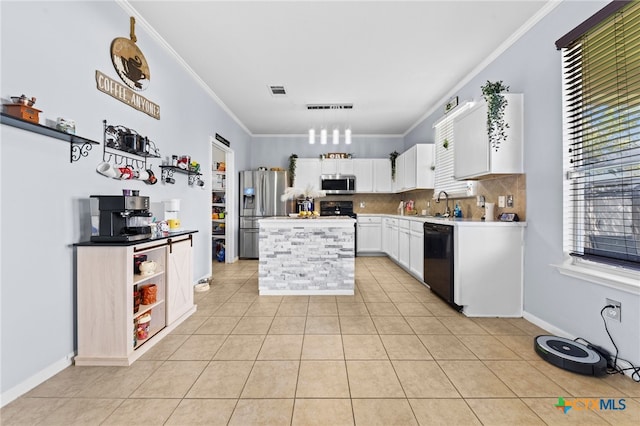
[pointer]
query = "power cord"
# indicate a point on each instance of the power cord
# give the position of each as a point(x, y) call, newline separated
point(612, 366)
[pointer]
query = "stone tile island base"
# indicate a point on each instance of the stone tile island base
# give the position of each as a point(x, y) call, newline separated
point(306, 256)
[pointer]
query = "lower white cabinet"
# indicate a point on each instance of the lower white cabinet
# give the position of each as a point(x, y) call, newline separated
point(369, 234)
point(112, 328)
point(488, 270)
point(403, 243)
point(393, 240)
point(179, 277)
point(416, 249)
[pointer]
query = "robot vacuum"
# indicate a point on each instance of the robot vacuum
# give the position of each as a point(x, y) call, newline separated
point(570, 355)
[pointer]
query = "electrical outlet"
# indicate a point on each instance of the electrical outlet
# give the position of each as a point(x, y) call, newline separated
point(509, 200)
point(362, 204)
point(501, 201)
point(615, 312)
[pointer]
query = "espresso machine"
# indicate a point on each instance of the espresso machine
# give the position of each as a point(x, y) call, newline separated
point(122, 218)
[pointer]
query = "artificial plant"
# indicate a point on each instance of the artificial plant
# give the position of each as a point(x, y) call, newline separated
point(496, 105)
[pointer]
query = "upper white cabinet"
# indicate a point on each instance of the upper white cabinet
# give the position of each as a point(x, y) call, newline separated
point(308, 171)
point(381, 175)
point(474, 158)
point(415, 168)
point(337, 166)
point(363, 171)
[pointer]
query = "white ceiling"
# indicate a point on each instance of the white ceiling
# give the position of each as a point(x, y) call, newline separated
point(394, 60)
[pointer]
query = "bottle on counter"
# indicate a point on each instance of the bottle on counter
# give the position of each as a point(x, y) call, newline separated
point(457, 212)
point(401, 208)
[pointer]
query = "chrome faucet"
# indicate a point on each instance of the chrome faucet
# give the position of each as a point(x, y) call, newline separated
point(447, 212)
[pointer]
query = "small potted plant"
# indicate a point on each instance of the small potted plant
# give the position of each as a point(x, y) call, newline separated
point(496, 104)
point(393, 157)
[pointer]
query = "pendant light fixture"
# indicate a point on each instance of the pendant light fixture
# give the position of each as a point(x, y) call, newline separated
point(323, 128)
point(323, 136)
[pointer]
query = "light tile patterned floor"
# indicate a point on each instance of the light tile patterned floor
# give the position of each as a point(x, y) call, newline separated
point(393, 354)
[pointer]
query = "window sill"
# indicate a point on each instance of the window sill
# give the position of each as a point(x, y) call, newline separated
point(609, 276)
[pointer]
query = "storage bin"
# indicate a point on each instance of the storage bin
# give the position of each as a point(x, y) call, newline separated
point(149, 294)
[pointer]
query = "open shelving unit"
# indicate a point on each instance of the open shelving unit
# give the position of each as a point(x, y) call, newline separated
point(218, 205)
point(79, 146)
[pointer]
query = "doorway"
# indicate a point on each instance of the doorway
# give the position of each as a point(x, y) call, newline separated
point(223, 203)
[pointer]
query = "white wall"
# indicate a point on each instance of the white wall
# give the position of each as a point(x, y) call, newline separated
point(51, 50)
point(532, 66)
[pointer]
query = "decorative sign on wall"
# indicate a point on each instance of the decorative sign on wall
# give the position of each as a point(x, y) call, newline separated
point(223, 140)
point(124, 94)
point(338, 155)
point(133, 70)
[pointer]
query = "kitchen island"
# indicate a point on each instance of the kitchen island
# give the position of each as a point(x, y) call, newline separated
point(314, 256)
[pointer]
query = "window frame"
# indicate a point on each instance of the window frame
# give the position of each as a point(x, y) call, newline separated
point(618, 276)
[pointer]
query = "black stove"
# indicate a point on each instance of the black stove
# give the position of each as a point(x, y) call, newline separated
point(337, 208)
point(340, 208)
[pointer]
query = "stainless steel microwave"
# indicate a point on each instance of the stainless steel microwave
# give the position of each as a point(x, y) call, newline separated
point(338, 184)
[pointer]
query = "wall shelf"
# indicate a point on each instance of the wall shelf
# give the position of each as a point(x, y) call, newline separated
point(79, 146)
point(168, 171)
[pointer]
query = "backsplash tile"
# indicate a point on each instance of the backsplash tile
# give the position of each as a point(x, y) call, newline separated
point(423, 199)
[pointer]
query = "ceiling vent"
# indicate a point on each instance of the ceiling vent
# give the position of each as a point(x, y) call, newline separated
point(277, 91)
point(329, 106)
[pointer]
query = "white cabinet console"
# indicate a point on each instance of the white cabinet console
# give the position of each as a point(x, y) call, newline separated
point(116, 324)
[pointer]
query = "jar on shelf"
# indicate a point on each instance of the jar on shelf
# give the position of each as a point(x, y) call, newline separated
point(144, 323)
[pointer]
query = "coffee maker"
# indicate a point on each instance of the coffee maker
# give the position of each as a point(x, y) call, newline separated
point(123, 218)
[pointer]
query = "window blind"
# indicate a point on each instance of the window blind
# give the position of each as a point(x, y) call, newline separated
point(444, 180)
point(601, 78)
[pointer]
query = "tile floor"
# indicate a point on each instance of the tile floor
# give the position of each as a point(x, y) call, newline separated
point(393, 354)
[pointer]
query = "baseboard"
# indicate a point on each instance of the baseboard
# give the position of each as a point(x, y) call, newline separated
point(33, 381)
point(559, 332)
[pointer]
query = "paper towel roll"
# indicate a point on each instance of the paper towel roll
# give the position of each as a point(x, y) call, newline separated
point(489, 214)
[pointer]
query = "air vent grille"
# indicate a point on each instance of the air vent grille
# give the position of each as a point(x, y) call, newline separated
point(329, 106)
point(277, 90)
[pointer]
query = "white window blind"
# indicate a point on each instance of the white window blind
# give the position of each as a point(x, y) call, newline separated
point(444, 180)
point(601, 78)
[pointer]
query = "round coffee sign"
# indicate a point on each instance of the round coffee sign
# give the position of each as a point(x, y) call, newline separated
point(130, 63)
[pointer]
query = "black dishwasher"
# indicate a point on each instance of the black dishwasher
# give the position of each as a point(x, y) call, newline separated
point(438, 260)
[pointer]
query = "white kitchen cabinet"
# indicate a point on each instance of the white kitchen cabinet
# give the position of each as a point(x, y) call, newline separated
point(308, 171)
point(369, 234)
point(381, 175)
point(474, 158)
point(416, 249)
point(488, 271)
point(415, 168)
point(386, 235)
point(393, 237)
point(179, 277)
point(398, 184)
point(404, 231)
point(363, 171)
point(337, 166)
point(106, 282)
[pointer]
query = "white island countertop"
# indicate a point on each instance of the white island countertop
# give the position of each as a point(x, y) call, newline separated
point(332, 220)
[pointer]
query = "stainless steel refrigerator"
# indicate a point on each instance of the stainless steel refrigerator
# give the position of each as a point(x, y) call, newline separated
point(260, 193)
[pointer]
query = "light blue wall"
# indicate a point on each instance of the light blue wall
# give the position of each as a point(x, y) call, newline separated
point(51, 50)
point(274, 151)
point(532, 66)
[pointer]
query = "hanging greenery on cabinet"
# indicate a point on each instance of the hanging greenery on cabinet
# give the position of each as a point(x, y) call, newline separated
point(496, 104)
point(393, 157)
point(292, 168)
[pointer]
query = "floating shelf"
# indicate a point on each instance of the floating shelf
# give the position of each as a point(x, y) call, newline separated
point(79, 146)
point(168, 171)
